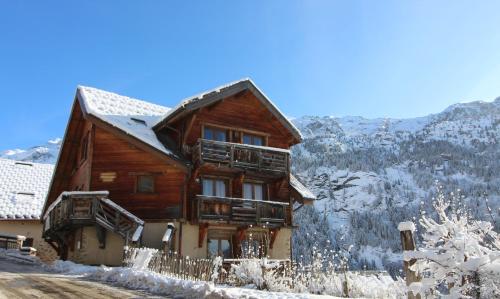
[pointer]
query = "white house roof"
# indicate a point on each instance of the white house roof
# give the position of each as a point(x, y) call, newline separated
point(132, 116)
point(23, 187)
point(301, 189)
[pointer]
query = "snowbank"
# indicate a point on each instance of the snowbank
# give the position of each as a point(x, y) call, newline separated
point(164, 285)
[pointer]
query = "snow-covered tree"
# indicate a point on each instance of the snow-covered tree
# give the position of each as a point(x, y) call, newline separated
point(460, 256)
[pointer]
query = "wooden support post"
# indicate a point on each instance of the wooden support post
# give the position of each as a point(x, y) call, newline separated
point(202, 232)
point(406, 230)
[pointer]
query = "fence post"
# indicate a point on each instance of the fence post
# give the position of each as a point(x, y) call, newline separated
point(406, 230)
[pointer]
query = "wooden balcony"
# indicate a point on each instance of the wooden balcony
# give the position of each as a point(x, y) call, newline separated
point(76, 209)
point(243, 156)
point(241, 211)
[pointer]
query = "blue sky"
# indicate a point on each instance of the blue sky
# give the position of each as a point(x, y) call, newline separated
point(368, 58)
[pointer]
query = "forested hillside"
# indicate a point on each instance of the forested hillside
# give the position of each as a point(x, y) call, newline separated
point(370, 174)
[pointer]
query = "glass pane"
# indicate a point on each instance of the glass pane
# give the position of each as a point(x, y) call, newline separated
point(247, 139)
point(225, 248)
point(258, 140)
point(213, 247)
point(220, 135)
point(220, 188)
point(208, 187)
point(258, 192)
point(208, 134)
point(247, 191)
point(145, 184)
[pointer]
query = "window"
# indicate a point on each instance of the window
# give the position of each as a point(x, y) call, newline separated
point(145, 184)
point(253, 139)
point(253, 191)
point(216, 134)
point(28, 242)
point(215, 187)
point(84, 146)
point(219, 247)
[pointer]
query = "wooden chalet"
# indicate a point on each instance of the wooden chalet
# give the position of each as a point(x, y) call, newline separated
point(208, 177)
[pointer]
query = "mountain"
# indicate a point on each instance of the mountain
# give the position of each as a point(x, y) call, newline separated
point(46, 153)
point(370, 174)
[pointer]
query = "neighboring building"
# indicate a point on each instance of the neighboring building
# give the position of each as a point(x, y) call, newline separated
point(208, 177)
point(23, 188)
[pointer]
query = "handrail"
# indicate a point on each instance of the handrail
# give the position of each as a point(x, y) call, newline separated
point(89, 208)
point(240, 210)
point(243, 199)
point(245, 156)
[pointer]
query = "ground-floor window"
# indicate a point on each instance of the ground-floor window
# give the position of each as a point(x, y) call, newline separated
point(219, 247)
point(220, 243)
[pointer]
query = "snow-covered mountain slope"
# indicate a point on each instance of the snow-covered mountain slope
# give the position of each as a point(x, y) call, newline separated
point(46, 153)
point(370, 174)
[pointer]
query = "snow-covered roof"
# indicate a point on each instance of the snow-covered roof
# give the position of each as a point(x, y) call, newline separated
point(218, 93)
point(301, 189)
point(23, 187)
point(132, 116)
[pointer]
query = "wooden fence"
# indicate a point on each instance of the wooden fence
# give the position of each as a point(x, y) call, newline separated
point(175, 265)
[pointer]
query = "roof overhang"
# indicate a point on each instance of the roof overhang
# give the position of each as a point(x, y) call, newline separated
point(182, 164)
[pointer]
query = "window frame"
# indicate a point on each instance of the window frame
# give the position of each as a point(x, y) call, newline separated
point(214, 130)
point(219, 246)
point(214, 179)
point(137, 181)
point(235, 134)
point(252, 138)
point(254, 183)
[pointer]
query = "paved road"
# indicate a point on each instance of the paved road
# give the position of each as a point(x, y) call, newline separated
point(18, 280)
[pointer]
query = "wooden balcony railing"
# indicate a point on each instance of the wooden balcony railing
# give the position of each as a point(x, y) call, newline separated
point(238, 210)
point(244, 156)
point(76, 209)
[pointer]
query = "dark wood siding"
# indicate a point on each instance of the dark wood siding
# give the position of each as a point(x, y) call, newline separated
point(114, 155)
point(243, 111)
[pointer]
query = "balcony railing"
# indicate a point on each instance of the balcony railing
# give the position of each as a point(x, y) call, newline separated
point(238, 210)
point(76, 209)
point(243, 156)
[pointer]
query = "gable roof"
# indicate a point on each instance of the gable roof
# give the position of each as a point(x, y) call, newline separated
point(131, 116)
point(23, 187)
point(211, 96)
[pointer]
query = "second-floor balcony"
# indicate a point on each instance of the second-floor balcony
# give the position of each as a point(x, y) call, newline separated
point(243, 156)
point(241, 211)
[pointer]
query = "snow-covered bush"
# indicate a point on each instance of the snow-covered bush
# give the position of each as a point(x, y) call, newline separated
point(460, 256)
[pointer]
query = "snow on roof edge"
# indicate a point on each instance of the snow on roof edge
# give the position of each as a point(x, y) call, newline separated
point(301, 189)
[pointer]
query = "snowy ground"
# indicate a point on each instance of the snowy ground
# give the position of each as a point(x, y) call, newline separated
point(63, 279)
point(22, 280)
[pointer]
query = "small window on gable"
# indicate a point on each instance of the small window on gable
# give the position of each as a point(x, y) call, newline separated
point(145, 184)
point(139, 121)
point(252, 139)
point(217, 134)
point(84, 148)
